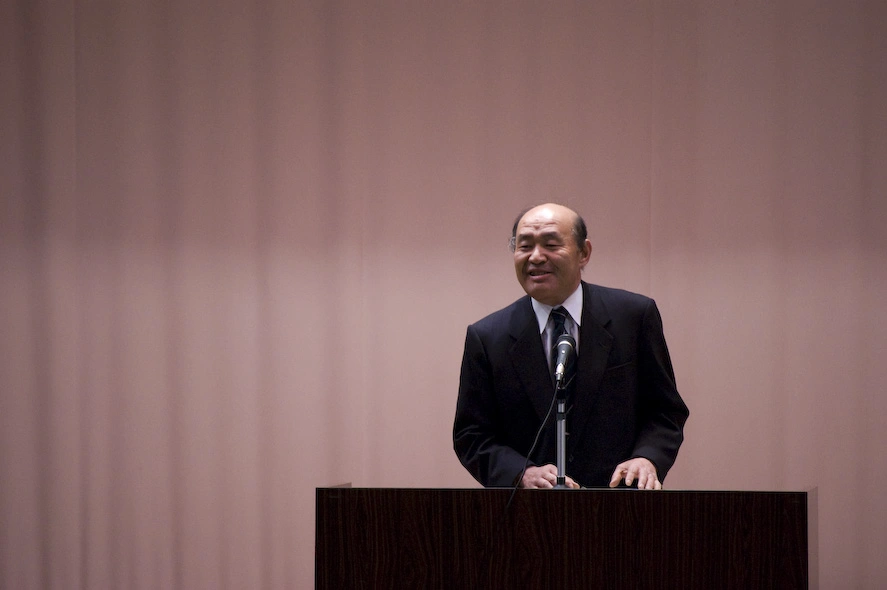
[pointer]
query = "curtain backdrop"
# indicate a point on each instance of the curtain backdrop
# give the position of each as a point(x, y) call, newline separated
point(240, 243)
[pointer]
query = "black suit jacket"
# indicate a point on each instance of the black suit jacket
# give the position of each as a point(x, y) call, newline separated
point(624, 402)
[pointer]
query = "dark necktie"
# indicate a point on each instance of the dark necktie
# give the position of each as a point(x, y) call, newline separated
point(559, 316)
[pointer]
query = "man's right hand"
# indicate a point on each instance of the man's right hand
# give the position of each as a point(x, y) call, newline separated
point(544, 477)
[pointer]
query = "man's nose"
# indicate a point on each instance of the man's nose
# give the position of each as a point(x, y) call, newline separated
point(537, 255)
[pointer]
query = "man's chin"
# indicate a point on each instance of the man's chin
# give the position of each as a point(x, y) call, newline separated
point(542, 295)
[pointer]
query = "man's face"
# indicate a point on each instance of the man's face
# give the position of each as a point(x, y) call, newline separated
point(547, 260)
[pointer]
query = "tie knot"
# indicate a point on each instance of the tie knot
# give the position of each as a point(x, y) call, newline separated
point(559, 315)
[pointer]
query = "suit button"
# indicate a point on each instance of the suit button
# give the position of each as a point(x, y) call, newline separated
point(570, 460)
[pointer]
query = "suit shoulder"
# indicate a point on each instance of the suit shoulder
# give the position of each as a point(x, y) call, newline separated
point(496, 321)
point(621, 297)
point(608, 302)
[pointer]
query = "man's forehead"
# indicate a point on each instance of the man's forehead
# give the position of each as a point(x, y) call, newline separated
point(541, 223)
point(548, 227)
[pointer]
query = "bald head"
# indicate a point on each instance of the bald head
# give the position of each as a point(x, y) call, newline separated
point(550, 248)
point(579, 230)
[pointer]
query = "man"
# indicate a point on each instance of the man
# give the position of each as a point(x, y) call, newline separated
point(625, 417)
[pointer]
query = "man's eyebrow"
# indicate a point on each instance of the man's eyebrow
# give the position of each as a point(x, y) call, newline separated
point(548, 235)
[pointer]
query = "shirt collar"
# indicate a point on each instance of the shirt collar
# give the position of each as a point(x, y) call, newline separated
point(573, 304)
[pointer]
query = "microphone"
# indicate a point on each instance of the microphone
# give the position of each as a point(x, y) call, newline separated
point(566, 350)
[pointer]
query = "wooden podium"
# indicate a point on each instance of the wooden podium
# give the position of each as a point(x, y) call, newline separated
point(596, 538)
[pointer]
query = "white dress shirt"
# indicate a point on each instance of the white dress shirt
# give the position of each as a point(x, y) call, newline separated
point(573, 305)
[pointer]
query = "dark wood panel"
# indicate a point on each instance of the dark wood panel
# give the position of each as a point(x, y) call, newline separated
point(414, 538)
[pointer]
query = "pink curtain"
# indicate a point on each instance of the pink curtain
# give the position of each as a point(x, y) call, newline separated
point(240, 244)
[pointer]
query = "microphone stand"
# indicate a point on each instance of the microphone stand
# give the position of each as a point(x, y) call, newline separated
point(561, 434)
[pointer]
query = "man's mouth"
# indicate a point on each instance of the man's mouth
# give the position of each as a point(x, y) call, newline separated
point(538, 272)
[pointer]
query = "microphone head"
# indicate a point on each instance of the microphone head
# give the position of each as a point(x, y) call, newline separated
point(566, 340)
point(566, 348)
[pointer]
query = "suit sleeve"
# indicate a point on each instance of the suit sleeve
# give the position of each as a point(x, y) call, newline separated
point(478, 424)
point(662, 412)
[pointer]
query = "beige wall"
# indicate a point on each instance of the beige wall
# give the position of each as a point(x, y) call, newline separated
point(240, 244)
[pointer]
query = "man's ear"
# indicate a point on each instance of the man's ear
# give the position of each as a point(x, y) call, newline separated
point(585, 253)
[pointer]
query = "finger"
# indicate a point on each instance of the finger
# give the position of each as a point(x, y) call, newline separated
point(531, 478)
point(537, 476)
point(617, 476)
point(647, 482)
point(630, 475)
point(658, 485)
point(545, 482)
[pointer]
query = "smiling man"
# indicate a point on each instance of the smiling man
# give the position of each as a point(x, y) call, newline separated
point(625, 416)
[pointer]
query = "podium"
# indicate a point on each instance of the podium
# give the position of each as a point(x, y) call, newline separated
point(594, 538)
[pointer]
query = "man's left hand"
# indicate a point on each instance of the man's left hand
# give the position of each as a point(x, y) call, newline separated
point(637, 469)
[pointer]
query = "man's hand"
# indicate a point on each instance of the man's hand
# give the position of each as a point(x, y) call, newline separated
point(638, 469)
point(544, 477)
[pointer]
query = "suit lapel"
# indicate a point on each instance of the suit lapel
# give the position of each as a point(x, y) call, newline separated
point(594, 349)
point(529, 360)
